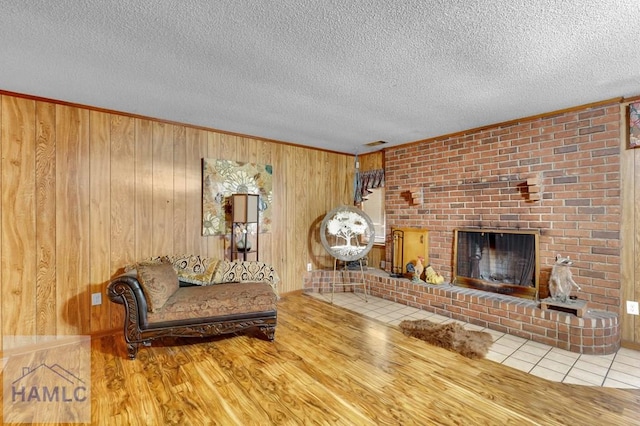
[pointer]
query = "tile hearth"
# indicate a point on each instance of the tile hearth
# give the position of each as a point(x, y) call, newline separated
point(617, 370)
point(595, 333)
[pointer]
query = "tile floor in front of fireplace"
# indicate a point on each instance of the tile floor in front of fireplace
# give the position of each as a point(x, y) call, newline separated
point(619, 370)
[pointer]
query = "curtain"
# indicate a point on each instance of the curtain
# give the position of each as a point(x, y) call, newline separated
point(365, 181)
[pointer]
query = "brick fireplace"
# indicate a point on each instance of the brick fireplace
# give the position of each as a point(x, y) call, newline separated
point(481, 179)
point(596, 333)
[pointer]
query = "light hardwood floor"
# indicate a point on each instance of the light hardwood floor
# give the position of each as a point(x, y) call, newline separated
point(331, 366)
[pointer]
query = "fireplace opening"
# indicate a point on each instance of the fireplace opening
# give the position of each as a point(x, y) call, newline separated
point(497, 260)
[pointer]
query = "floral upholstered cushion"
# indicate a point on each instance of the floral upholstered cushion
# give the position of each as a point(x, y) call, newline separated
point(159, 282)
point(247, 271)
point(216, 300)
point(148, 261)
point(207, 271)
point(195, 269)
point(192, 269)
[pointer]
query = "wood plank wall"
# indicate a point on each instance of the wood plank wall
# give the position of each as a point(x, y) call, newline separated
point(87, 191)
point(630, 231)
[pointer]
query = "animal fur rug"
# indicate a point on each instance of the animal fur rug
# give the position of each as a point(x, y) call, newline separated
point(451, 336)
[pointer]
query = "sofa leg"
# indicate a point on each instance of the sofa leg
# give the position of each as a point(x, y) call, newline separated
point(132, 349)
point(269, 331)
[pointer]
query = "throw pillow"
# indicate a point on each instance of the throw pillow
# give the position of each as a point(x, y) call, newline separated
point(151, 260)
point(247, 271)
point(195, 269)
point(159, 281)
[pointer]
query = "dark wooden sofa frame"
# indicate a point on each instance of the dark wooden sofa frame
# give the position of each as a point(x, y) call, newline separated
point(126, 290)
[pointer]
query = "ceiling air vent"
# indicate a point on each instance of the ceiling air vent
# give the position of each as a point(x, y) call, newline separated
point(376, 143)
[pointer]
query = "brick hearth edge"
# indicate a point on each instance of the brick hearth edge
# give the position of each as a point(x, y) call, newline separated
point(597, 333)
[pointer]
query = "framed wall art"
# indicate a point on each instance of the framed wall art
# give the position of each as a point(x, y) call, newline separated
point(220, 179)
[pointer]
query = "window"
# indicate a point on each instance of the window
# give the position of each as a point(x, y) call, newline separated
point(373, 206)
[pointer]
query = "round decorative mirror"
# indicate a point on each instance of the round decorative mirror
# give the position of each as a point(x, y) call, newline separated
point(347, 233)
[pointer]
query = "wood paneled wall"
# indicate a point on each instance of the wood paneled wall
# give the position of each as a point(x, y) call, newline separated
point(371, 161)
point(86, 191)
point(630, 231)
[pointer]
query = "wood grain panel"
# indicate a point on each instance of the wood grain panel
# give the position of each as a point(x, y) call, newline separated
point(123, 207)
point(196, 150)
point(279, 226)
point(321, 205)
point(162, 189)
point(100, 215)
point(247, 149)
point(632, 287)
point(295, 202)
point(18, 262)
point(371, 161)
point(215, 244)
point(376, 255)
point(179, 190)
point(8, 124)
point(299, 250)
point(72, 220)
point(263, 156)
point(143, 199)
point(45, 218)
point(629, 233)
point(228, 148)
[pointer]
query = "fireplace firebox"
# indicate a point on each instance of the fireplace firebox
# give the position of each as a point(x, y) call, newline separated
point(501, 261)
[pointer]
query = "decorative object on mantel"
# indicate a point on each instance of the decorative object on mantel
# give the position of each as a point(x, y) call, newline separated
point(220, 179)
point(418, 270)
point(634, 125)
point(451, 336)
point(560, 285)
point(411, 268)
point(533, 189)
point(432, 277)
point(347, 234)
point(561, 280)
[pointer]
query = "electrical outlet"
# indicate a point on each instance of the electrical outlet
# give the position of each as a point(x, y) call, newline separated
point(632, 308)
point(96, 299)
point(309, 267)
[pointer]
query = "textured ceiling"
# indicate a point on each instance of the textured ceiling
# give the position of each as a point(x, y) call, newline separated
point(333, 74)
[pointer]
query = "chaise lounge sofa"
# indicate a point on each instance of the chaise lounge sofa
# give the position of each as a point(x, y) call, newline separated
point(192, 296)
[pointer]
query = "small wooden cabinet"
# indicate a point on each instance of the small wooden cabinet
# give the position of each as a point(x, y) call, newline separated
point(409, 244)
